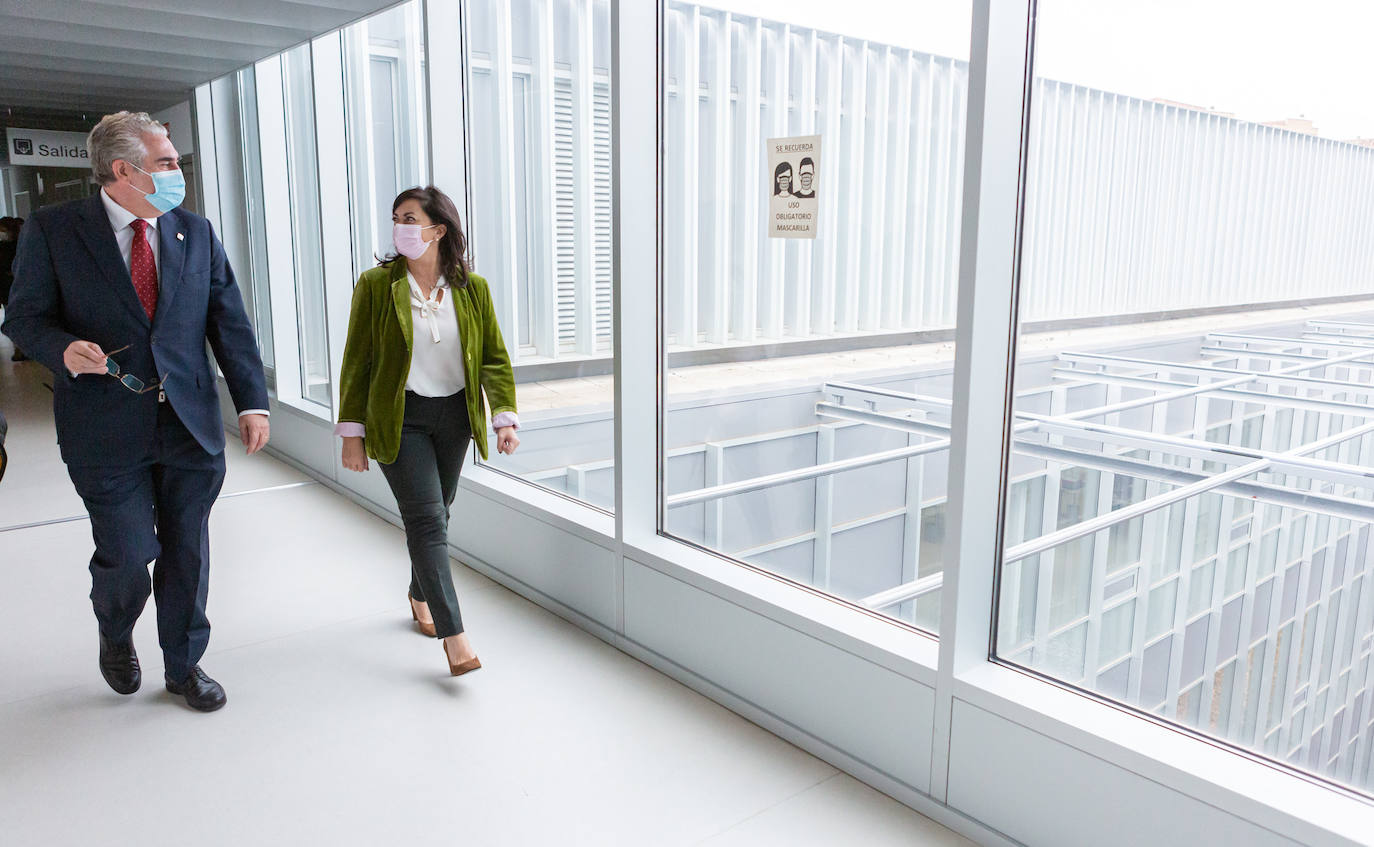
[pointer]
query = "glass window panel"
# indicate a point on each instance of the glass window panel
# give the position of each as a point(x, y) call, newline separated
point(1200, 588)
point(787, 354)
point(1236, 564)
point(385, 123)
point(256, 270)
point(304, 184)
point(1163, 603)
point(1118, 624)
point(539, 163)
point(1184, 190)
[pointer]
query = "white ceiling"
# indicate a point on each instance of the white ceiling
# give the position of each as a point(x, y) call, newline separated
point(99, 56)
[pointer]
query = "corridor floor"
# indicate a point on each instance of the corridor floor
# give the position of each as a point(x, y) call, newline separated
point(343, 726)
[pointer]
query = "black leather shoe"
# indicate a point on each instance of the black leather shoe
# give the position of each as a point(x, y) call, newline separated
point(119, 666)
point(201, 692)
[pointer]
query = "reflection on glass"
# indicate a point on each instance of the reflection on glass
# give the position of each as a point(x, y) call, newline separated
point(303, 176)
point(539, 124)
point(1209, 561)
point(807, 408)
point(238, 172)
point(251, 186)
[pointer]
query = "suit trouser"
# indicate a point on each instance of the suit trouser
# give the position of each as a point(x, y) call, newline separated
point(434, 441)
point(155, 510)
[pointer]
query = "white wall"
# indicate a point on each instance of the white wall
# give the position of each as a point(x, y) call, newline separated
point(180, 126)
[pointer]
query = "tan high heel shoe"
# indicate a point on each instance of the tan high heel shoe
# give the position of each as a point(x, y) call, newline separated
point(463, 667)
point(426, 626)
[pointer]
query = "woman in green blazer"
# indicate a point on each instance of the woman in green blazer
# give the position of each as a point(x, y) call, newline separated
point(423, 345)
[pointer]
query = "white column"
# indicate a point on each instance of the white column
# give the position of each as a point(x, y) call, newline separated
point(635, 132)
point(982, 381)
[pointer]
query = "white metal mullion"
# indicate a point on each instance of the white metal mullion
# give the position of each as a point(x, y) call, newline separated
point(718, 323)
point(207, 166)
point(745, 277)
point(897, 270)
point(1044, 589)
point(825, 510)
point(1060, 299)
point(713, 517)
point(1324, 610)
point(774, 276)
point(272, 127)
point(1096, 142)
point(1345, 609)
point(985, 315)
point(1114, 201)
point(1360, 624)
point(1097, 580)
point(911, 530)
point(804, 267)
point(872, 276)
point(947, 188)
point(1220, 568)
point(1269, 659)
point(689, 193)
point(1247, 612)
point(1294, 656)
point(584, 153)
point(1038, 257)
point(1008, 611)
point(922, 183)
point(362, 144)
point(830, 52)
point(1155, 526)
point(544, 268)
point(1365, 734)
point(502, 273)
point(1187, 555)
point(848, 313)
point(1311, 719)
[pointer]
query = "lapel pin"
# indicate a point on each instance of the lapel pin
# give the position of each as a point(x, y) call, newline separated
point(181, 237)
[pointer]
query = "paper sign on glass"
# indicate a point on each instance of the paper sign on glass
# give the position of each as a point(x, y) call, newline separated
point(794, 164)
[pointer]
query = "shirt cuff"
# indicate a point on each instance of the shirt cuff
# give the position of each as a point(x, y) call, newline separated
point(262, 412)
point(350, 429)
point(505, 419)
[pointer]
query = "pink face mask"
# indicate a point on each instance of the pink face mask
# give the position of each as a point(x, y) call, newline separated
point(408, 240)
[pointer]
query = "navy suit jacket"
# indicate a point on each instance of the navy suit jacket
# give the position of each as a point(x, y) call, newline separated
point(71, 284)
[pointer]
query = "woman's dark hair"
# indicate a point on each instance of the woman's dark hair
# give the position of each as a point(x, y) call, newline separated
point(782, 168)
point(453, 247)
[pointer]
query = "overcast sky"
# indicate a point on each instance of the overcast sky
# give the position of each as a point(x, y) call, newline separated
point(1264, 60)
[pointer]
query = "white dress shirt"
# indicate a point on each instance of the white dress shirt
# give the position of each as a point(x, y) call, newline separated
point(120, 221)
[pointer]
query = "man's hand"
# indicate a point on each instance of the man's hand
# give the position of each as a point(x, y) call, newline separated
point(84, 357)
point(354, 453)
point(253, 432)
point(507, 440)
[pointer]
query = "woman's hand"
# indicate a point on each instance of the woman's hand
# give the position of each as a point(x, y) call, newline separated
point(354, 455)
point(506, 440)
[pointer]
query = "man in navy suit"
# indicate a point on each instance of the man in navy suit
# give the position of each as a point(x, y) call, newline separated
point(118, 294)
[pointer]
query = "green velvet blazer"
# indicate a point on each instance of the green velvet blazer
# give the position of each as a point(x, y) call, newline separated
point(376, 359)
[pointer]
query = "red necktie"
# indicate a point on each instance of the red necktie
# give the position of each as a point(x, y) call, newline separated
point(142, 268)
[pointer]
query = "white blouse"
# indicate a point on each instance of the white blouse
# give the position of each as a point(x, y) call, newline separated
point(436, 361)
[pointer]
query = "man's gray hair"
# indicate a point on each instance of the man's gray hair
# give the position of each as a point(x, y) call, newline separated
point(120, 136)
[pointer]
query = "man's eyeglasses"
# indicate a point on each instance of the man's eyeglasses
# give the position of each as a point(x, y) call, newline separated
point(130, 381)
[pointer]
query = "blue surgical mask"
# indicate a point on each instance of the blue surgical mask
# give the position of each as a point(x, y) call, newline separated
point(169, 188)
